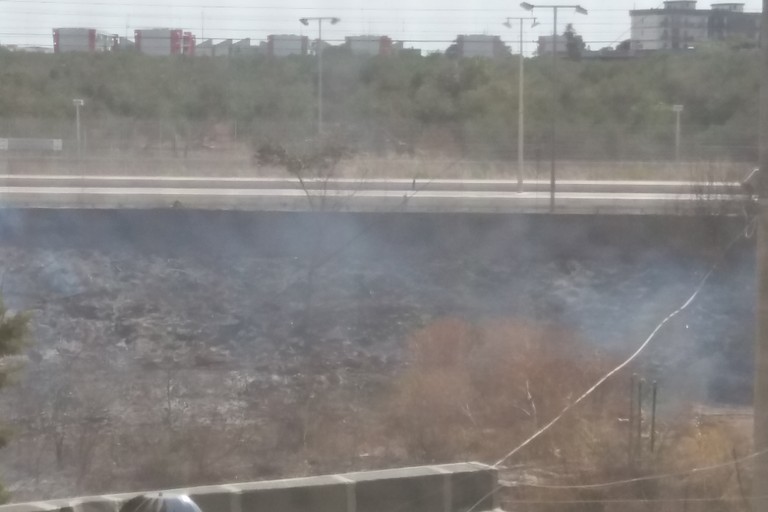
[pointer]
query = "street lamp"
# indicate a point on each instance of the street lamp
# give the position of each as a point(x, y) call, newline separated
point(678, 110)
point(579, 9)
point(520, 104)
point(320, 20)
point(78, 103)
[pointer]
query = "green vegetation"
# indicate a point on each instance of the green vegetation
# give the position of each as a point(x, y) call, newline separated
point(433, 104)
point(13, 331)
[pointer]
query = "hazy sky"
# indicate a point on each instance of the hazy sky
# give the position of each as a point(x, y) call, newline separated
point(425, 23)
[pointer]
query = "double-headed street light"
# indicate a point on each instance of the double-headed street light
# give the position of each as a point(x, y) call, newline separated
point(320, 21)
point(555, 8)
point(520, 104)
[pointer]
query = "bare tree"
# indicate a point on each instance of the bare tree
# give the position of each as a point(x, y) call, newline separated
point(315, 167)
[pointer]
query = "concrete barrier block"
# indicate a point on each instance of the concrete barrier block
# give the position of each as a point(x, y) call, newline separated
point(474, 486)
point(207, 498)
point(120, 499)
point(94, 504)
point(447, 488)
point(125, 496)
point(317, 494)
point(422, 489)
point(61, 505)
point(28, 507)
point(214, 498)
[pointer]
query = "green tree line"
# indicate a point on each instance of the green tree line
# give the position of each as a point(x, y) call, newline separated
point(603, 109)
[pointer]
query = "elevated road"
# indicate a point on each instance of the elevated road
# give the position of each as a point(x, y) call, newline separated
point(380, 195)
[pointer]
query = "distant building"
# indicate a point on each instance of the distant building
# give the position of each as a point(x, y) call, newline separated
point(163, 41)
point(372, 45)
point(223, 48)
point(84, 40)
point(188, 44)
point(680, 26)
point(125, 44)
point(485, 46)
point(546, 45)
point(244, 48)
point(281, 45)
point(226, 48)
point(729, 22)
point(205, 49)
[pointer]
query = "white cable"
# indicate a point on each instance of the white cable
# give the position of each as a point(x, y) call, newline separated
point(624, 364)
point(617, 369)
point(663, 476)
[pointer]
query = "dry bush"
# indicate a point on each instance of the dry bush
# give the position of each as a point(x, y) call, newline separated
point(472, 391)
point(477, 391)
point(434, 398)
point(690, 444)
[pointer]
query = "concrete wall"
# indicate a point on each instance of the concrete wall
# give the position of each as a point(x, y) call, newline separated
point(447, 488)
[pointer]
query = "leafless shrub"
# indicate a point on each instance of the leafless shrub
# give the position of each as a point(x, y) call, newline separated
point(476, 391)
point(472, 390)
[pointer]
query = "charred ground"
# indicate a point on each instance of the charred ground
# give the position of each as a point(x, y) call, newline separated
point(271, 328)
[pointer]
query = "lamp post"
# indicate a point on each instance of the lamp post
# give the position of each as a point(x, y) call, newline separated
point(78, 103)
point(520, 104)
point(678, 110)
point(555, 8)
point(320, 20)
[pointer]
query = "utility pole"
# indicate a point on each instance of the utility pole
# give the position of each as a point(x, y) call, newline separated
point(521, 117)
point(78, 104)
point(760, 476)
point(320, 20)
point(553, 150)
point(678, 110)
point(319, 77)
point(521, 104)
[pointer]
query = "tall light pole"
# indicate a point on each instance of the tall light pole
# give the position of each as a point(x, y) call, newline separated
point(678, 110)
point(520, 104)
point(320, 21)
point(78, 104)
point(555, 8)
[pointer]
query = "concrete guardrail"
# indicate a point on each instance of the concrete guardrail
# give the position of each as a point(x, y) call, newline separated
point(447, 488)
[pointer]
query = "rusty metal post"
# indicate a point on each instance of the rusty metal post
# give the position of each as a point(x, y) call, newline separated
point(653, 415)
point(631, 422)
